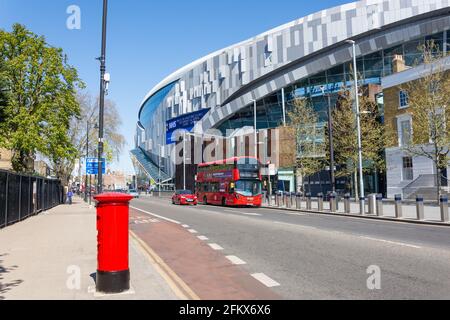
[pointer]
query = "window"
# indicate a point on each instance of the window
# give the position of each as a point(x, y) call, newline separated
point(404, 99)
point(405, 132)
point(248, 188)
point(408, 173)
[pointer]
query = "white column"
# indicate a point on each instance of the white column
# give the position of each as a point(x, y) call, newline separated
point(283, 105)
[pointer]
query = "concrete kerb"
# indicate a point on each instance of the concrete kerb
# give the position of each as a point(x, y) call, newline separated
point(372, 217)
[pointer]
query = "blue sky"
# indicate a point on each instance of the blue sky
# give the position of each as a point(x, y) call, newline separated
point(149, 39)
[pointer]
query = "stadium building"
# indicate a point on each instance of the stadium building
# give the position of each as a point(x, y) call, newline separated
point(309, 57)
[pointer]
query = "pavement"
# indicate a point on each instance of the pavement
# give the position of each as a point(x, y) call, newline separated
point(311, 256)
point(41, 258)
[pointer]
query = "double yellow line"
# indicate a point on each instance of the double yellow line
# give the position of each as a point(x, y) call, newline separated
point(178, 286)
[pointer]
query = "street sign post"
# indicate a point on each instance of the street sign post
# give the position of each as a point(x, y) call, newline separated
point(92, 166)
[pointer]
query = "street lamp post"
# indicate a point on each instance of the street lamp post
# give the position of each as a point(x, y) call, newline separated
point(255, 132)
point(184, 160)
point(358, 123)
point(103, 81)
point(159, 172)
point(87, 156)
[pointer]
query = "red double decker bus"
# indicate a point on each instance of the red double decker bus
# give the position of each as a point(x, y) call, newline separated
point(230, 182)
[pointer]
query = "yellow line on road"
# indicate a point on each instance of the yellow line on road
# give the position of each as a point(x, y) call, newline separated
point(179, 287)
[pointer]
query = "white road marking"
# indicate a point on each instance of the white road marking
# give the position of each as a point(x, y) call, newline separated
point(192, 231)
point(294, 213)
point(155, 215)
point(245, 213)
point(203, 238)
point(265, 280)
point(235, 260)
point(300, 226)
point(185, 226)
point(392, 242)
point(215, 246)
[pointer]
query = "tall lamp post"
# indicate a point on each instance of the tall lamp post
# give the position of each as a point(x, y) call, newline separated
point(358, 123)
point(255, 132)
point(159, 170)
point(87, 156)
point(184, 160)
point(104, 80)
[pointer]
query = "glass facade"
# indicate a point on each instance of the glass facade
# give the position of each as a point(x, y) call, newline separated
point(153, 103)
point(371, 68)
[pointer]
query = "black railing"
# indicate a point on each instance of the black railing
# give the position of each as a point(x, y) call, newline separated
point(22, 196)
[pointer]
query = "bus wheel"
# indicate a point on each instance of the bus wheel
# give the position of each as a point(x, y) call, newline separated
point(224, 202)
point(205, 200)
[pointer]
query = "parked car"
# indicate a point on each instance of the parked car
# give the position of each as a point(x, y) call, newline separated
point(134, 193)
point(184, 197)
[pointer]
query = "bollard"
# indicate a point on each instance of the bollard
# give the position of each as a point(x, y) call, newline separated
point(347, 203)
point(292, 200)
point(298, 203)
point(443, 201)
point(362, 206)
point(398, 206)
point(308, 201)
point(333, 202)
point(379, 205)
point(287, 202)
point(277, 199)
point(372, 200)
point(320, 202)
point(420, 208)
point(113, 273)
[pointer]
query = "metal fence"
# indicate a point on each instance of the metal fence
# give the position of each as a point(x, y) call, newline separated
point(22, 196)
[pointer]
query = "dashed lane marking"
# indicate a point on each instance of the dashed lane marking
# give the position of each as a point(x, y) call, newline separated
point(392, 242)
point(245, 213)
point(203, 238)
point(192, 231)
point(265, 280)
point(215, 246)
point(235, 260)
point(155, 215)
point(185, 226)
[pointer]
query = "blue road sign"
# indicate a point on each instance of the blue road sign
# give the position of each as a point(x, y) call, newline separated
point(92, 166)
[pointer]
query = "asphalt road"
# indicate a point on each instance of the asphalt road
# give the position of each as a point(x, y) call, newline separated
point(315, 256)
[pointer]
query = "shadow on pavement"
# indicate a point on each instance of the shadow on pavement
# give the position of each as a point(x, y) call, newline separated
point(5, 287)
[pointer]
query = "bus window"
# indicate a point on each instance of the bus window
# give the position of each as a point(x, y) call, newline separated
point(248, 188)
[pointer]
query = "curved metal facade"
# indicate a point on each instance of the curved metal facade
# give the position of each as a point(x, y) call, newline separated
point(228, 80)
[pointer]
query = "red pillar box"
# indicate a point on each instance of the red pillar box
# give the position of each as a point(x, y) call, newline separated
point(113, 273)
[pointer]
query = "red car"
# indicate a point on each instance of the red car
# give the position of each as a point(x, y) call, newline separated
point(184, 197)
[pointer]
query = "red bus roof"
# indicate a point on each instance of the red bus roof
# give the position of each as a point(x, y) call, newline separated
point(229, 160)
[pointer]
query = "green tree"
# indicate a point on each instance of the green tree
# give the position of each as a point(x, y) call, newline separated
point(429, 106)
point(345, 137)
point(41, 98)
point(114, 141)
point(310, 150)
